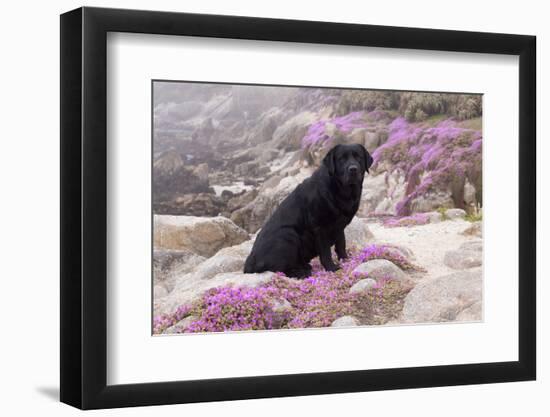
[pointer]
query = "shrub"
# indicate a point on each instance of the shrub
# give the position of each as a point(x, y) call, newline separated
point(362, 100)
point(417, 107)
point(443, 212)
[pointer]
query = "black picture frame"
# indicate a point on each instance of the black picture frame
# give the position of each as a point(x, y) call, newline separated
point(84, 207)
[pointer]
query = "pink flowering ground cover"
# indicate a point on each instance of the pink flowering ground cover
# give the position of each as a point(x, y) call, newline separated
point(312, 302)
point(435, 158)
point(344, 124)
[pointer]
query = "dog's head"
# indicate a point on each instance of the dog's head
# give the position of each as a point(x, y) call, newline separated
point(348, 163)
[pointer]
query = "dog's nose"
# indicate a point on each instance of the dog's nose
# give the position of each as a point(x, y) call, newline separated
point(353, 169)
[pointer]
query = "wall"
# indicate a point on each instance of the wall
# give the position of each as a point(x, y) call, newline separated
point(30, 174)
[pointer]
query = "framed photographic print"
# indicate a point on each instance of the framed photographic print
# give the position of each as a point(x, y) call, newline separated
point(256, 208)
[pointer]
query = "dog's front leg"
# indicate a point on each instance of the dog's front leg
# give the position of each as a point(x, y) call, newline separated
point(340, 246)
point(323, 248)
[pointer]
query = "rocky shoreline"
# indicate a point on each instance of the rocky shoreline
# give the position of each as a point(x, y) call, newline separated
point(413, 274)
point(225, 156)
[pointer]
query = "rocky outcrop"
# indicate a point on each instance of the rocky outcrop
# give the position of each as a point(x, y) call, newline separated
point(381, 193)
point(288, 136)
point(201, 235)
point(444, 298)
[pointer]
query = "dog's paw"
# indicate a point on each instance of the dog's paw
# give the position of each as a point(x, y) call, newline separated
point(332, 268)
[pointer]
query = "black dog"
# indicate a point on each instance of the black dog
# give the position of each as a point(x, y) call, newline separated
point(313, 217)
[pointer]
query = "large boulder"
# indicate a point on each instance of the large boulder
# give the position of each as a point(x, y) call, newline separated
point(201, 235)
point(444, 298)
point(168, 264)
point(263, 130)
point(229, 259)
point(380, 269)
point(469, 255)
point(472, 313)
point(358, 233)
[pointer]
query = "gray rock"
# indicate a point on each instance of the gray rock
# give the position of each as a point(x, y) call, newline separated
point(362, 285)
point(444, 298)
point(455, 213)
point(434, 216)
point(402, 250)
point(474, 230)
point(345, 321)
point(470, 194)
point(281, 308)
point(180, 325)
point(201, 171)
point(463, 259)
point(358, 233)
point(159, 291)
point(374, 192)
point(169, 264)
point(201, 235)
point(472, 313)
point(380, 269)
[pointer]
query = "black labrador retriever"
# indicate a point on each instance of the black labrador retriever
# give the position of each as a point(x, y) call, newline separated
point(313, 217)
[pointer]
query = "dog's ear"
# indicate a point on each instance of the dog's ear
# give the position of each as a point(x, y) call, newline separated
point(329, 161)
point(368, 159)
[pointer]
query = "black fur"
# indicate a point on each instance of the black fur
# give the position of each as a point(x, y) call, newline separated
point(313, 217)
